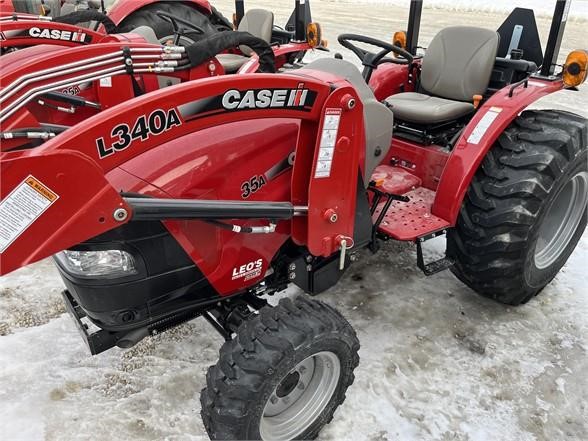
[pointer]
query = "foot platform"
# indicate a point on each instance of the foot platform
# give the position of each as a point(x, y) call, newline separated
point(410, 220)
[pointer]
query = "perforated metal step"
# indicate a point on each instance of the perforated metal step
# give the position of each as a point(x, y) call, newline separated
point(410, 220)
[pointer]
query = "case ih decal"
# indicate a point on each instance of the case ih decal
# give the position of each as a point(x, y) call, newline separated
point(56, 34)
point(122, 136)
point(49, 34)
point(265, 98)
point(235, 100)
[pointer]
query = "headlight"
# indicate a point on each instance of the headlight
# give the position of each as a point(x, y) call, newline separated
point(111, 263)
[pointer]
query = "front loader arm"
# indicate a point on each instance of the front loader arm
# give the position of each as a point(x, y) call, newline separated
point(51, 202)
point(72, 166)
point(24, 33)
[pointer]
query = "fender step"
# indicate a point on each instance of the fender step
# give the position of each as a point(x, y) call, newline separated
point(436, 266)
point(408, 221)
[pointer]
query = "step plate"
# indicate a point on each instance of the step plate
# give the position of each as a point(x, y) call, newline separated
point(411, 220)
point(395, 180)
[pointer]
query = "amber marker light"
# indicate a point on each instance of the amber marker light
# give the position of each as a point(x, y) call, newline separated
point(574, 72)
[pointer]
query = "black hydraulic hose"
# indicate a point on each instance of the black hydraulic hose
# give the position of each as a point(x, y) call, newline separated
point(88, 15)
point(208, 48)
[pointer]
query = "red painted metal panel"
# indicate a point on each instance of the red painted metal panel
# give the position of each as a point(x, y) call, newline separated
point(81, 200)
point(339, 149)
point(467, 155)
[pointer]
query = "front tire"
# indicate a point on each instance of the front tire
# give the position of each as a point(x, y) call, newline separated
point(526, 208)
point(284, 374)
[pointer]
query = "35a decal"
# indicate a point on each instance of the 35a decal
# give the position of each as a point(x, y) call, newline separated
point(123, 135)
point(253, 185)
point(72, 90)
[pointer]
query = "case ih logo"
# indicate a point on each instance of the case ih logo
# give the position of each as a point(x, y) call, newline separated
point(56, 34)
point(265, 98)
point(234, 100)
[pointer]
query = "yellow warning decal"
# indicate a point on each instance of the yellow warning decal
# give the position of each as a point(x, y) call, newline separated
point(40, 188)
point(23, 206)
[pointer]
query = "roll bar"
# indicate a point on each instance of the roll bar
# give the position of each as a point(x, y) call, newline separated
point(298, 21)
point(558, 24)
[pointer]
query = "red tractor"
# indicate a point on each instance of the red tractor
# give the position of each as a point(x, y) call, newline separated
point(170, 23)
point(91, 71)
point(121, 15)
point(202, 198)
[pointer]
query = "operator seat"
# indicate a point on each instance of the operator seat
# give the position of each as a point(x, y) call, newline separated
point(378, 119)
point(35, 6)
point(457, 65)
point(259, 23)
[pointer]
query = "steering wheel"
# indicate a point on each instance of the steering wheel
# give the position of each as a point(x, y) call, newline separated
point(370, 60)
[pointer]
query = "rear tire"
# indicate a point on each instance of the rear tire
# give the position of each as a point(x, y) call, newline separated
point(294, 360)
point(147, 16)
point(525, 210)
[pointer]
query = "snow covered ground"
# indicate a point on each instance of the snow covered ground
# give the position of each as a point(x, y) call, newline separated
point(437, 361)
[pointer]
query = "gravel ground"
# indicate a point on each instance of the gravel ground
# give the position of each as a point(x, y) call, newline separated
point(437, 361)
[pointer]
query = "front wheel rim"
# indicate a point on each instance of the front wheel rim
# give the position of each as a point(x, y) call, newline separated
point(562, 220)
point(300, 397)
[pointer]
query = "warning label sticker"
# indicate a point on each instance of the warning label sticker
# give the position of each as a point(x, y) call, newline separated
point(327, 145)
point(22, 207)
point(483, 125)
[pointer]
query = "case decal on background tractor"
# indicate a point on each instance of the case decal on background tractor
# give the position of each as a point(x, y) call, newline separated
point(56, 34)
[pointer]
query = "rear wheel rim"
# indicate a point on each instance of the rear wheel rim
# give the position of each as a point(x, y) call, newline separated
point(299, 399)
point(563, 218)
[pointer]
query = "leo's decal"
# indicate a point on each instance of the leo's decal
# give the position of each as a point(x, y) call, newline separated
point(250, 270)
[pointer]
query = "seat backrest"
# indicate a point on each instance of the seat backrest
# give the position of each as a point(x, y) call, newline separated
point(458, 62)
point(147, 33)
point(378, 119)
point(34, 6)
point(259, 23)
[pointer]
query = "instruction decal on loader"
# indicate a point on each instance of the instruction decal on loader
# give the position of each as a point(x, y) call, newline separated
point(23, 206)
point(327, 147)
point(483, 125)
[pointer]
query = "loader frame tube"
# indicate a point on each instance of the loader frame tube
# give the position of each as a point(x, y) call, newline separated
point(146, 209)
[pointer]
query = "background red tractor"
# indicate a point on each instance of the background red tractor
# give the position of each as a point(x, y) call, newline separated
point(200, 198)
